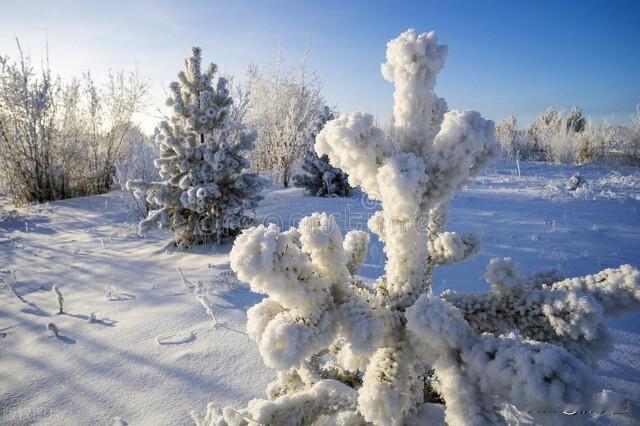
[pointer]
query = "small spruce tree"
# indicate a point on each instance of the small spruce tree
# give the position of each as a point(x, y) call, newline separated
point(319, 177)
point(205, 195)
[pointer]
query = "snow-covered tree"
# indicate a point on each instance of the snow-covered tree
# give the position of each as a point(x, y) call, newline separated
point(575, 120)
point(318, 176)
point(62, 139)
point(549, 118)
point(350, 353)
point(205, 194)
point(507, 135)
point(137, 163)
point(285, 108)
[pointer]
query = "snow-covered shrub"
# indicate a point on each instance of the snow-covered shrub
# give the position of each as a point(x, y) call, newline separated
point(557, 138)
point(350, 353)
point(572, 139)
point(205, 194)
point(515, 143)
point(318, 176)
point(611, 143)
point(62, 139)
point(551, 137)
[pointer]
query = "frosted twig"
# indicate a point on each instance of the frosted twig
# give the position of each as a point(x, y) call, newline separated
point(110, 290)
point(186, 282)
point(13, 290)
point(204, 301)
point(246, 417)
point(56, 290)
point(114, 295)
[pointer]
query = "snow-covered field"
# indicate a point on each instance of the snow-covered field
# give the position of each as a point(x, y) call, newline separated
point(152, 355)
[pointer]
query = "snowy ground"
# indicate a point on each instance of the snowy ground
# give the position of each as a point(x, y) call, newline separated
point(153, 355)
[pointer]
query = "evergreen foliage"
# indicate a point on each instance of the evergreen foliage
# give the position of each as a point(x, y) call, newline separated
point(319, 177)
point(205, 195)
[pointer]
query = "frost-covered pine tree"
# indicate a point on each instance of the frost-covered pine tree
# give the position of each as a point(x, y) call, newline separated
point(350, 353)
point(205, 195)
point(318, 176)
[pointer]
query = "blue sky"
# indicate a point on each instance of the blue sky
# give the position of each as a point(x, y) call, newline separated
point(505, 57)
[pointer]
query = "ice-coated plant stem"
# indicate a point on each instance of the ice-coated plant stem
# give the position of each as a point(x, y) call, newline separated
point(60, 299)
